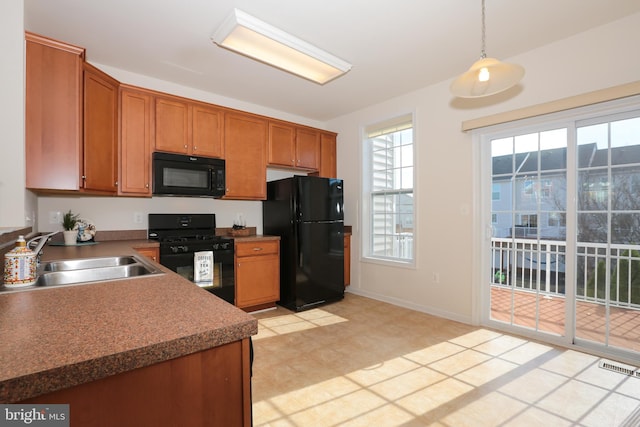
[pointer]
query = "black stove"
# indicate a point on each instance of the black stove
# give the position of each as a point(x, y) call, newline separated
point(182, 235)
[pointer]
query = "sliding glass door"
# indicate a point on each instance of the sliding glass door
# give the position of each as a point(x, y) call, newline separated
point(608, 235)
point(563, 256)
point(528, 222)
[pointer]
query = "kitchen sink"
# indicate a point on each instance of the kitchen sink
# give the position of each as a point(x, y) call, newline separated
point(85, 263)
point(89, 270)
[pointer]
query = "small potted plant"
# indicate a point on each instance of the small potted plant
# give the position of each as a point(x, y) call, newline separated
point(69, 221)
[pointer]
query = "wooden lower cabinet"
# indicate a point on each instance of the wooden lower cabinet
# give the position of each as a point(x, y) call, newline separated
point(257, 274)
point(208, 388)
point(347, 259)
point(152, 253)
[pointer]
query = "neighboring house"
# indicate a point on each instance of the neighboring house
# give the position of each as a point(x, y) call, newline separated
point(539, 208)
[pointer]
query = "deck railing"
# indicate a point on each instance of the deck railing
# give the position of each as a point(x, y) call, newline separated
point(539, 265)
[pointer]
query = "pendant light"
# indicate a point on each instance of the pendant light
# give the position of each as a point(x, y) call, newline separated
point(487, 76)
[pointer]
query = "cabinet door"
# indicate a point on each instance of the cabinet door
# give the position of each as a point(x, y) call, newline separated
point(257, 280)
point(171, 125)
point(245, 145)
point(151, 253)
point(328, 167)
point(282, 144)
point(100, 131)
point(307, 148)
point(207, 128)
point(53, 115)
point(135, 142)
point(347, 259)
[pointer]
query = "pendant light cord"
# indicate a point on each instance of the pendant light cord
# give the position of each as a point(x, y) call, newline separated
point(484, 29)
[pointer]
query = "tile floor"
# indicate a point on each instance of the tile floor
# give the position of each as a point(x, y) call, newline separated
point(362, 362)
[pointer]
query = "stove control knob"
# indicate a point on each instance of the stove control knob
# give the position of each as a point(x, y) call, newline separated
point(216, 246)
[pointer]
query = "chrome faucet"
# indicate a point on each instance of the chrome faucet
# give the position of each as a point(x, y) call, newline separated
point(39, 242)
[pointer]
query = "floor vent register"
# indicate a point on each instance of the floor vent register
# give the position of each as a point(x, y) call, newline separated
point(619, 368)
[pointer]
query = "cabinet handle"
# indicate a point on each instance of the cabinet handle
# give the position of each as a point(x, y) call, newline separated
point(257, 249)
point(116, 184)
point(185, 145)
point(195, 148)
point(84, 177)
point(146, 185)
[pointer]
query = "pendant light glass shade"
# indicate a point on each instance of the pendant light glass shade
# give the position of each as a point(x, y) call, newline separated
point(486, 76)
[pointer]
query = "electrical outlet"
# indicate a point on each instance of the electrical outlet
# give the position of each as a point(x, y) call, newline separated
point(137, 217)
point(55, 217)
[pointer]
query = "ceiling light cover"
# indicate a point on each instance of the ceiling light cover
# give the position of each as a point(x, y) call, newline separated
point(247, 35)
point(487, 76)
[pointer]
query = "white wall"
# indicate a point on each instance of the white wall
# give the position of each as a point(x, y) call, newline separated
point(16, 205)
point(600, 58)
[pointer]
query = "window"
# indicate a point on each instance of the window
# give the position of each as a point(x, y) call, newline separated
point(495, 192)
point(389, 193)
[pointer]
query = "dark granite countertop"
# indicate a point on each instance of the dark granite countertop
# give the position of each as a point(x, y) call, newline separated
point(55, 338)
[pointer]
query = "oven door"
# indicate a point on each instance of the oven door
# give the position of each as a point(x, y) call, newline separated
point(223, 269)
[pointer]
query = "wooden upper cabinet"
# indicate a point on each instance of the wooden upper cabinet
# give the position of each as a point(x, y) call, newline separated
point(307, 148)
point(328, 157)
point(100, 151)
point(293, 147)
point(135, 142)
point(186, 127)
point(171, 125)
point(282, 144)
point(245, 144)
point(53, 116)
point(207, 126)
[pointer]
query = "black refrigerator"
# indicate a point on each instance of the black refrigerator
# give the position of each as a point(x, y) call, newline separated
point(307, 213)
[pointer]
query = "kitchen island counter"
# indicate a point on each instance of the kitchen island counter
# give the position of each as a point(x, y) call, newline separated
point(60, 337)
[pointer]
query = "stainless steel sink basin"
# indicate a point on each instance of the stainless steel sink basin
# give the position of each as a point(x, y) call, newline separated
point(80, 264)
point(90, 270)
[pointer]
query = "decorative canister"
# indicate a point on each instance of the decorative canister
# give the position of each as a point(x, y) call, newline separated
point(19, 265)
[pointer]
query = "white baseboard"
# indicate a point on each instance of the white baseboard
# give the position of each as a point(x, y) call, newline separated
point(412, 306)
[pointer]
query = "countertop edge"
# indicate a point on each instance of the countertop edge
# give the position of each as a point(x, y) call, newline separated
point(36, 383)
point(60, 378)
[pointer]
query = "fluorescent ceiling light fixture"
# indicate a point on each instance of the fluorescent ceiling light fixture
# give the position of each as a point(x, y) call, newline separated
point(487, 76)
point(247, 35)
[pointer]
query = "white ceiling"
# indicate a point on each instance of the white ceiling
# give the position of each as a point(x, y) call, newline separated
point(395, 46)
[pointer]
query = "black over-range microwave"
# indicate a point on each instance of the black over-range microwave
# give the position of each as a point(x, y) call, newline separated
point(180, 175)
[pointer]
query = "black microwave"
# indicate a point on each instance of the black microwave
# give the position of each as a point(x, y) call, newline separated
point(180, 175)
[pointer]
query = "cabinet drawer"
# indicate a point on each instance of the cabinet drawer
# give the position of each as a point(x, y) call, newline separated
point(257, 248)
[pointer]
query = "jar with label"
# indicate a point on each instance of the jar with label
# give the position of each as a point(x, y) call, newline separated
point(20, 265)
